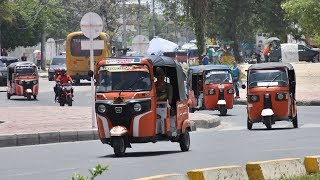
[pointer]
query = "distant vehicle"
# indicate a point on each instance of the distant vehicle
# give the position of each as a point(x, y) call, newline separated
point(57, 62)
point(7, 60)
point(78, 60)
point(3, 74)
point(306, 53)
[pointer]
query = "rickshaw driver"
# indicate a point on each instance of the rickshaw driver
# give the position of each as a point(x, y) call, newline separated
point(63, 78)
point(165, 92)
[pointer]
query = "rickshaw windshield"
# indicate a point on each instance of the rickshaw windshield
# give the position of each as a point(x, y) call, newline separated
point(124, 78)
point(218, 77)
point(26, 71)
point(268, 77)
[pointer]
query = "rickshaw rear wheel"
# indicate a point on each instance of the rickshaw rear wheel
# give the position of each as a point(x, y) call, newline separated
point(267, 121)
point(8, 95)
point(185, 141)
point(295, 121)
point(119, 147)
point(249, 124)
point(223, 110)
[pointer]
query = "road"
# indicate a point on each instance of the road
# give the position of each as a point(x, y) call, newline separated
point(229, 144)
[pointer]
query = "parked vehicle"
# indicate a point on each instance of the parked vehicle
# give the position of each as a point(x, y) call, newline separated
point(7, 60)
point(305, 53)
point(127, 107)
point(271, 94)
point(57, 62)
point(22, 80)
point(3, 74)
point(66, 96)
point(210, 87)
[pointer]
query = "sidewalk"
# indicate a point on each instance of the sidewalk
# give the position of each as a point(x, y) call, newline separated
point(44, 124)
point(307, 88)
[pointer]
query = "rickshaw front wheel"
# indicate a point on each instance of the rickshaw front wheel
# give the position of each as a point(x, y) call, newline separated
point(249, 124)
point(185, 141)
point(29, 97)
point(119, 147)
point(295, 121)
point(267, 121)
point(223, 110)
point(34, 96)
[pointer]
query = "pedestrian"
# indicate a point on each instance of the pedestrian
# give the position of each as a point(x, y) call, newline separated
point(38, 57)
point(24, 57)
point(235, 77)
point(266, 52)
point(210, 52)
point(4, 52)
point(205, 59)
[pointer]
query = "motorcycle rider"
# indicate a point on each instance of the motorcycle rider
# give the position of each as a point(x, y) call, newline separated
point(63, 78)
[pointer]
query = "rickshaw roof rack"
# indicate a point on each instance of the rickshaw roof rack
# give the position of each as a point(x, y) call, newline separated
point(201, 68)
point(162, 61)
point(271, 65)
point(21, 64)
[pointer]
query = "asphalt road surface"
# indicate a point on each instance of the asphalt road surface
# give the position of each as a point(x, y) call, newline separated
point(229, 144)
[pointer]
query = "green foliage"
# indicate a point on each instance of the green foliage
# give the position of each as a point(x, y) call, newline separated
point(94, 172)
point(305, 14)
point(305, 177)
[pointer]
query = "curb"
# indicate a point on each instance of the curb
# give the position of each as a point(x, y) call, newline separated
point(299, 103)
point(224, 172)
point(47, 137)
point(213, 122)
point(165, 177)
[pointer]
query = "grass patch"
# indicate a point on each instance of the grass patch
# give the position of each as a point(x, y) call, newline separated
point(305, 177)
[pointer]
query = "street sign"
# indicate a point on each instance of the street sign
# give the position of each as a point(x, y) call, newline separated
point(96, 44)
point(91, 25)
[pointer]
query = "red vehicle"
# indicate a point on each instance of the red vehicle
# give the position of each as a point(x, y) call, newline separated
point(127, 107)
point(22, 80)
point(66, 94)
point(210, 87)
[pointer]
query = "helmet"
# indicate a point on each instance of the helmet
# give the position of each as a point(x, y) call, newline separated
point(63, 71)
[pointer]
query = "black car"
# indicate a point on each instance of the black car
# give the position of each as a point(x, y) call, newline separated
point(3, 74)
point(57, 62)
point(7, 60)
point(306, 53)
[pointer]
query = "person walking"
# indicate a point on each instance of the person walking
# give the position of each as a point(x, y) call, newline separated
point(235, 77)
point(24, 57)
point(266, 52)
point(38, 57)
point(205, 59)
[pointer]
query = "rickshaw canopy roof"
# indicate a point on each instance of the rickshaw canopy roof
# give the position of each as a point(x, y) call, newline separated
point(13, 65)
point(271, 65)
point(201, 68)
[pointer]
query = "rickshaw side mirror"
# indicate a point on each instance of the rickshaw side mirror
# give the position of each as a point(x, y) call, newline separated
point(243, 86)
point(90, 73)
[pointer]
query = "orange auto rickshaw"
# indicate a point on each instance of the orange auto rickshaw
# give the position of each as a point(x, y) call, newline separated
point(22, 80)
point(126, 103)
point(210, 87)
point(271, 94)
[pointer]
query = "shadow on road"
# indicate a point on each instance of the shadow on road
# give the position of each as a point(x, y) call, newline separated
point(277, 129)
point(143, 154)
point(25, 99)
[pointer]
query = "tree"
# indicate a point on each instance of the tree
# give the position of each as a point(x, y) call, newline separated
point(304, 16)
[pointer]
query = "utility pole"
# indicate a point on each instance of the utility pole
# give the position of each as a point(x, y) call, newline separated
point(139, 17)
point(43, 39)
point(0, 37)
point(124, 30)
point(153, 20)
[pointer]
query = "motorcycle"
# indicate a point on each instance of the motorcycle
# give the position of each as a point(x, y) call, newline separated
point(66, 95)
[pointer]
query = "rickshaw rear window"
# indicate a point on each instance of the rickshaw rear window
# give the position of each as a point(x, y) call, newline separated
point(268, 77)
point(76, 46)
point(124, 78)
point(58, 61)
point(217, 77)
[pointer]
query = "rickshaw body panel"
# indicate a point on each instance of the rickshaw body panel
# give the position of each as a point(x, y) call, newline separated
point(211, 101)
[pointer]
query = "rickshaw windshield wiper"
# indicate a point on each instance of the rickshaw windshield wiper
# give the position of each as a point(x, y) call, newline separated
point(273, 79)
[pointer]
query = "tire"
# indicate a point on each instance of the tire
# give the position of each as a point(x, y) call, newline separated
point(77, 81)
point(184, 141)
point(249, 124)
point(29, 97)
point(119, 147)
point(61, 102)
point(69, 100)
point(8, 96)
point(34, 96)
point(191, 110)
point(223, 110)
point(267, 122)
point(295, 122)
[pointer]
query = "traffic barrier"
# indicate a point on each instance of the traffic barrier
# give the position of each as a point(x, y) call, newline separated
point(275, 169)
point(166, 177)
point(224, 172)
point(312, 164)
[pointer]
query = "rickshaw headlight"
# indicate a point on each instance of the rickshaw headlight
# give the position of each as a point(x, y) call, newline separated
point(35, 82)
point(102, 108)
point(281, 96)
point(211, 91)
point(254, 98)
point(230, 91)
point(137, 107)
point(20, 82)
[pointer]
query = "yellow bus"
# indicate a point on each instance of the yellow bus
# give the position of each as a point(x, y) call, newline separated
point(77, 60)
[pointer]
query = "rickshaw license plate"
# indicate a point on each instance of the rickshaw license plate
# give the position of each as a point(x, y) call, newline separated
point(220, 86)
point(118, 110)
